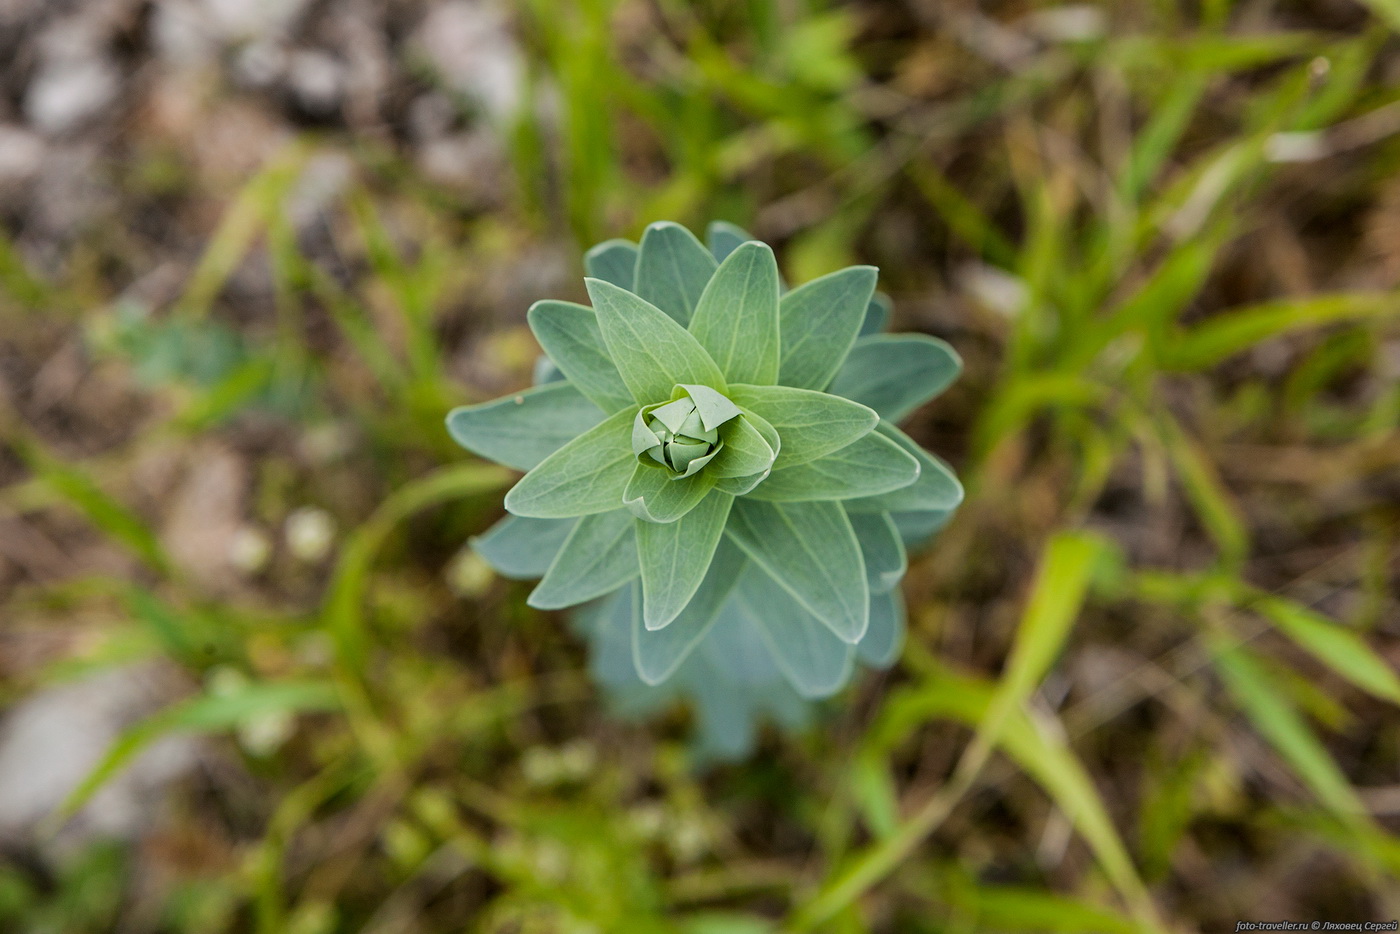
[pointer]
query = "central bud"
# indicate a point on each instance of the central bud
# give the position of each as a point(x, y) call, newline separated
point(682, 434)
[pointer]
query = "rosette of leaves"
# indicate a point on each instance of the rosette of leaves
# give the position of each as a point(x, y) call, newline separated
point(715, 479)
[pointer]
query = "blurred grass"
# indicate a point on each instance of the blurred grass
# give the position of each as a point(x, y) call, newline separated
point(1181, 407)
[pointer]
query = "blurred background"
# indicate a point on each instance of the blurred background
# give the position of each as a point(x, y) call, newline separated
point(254, 250)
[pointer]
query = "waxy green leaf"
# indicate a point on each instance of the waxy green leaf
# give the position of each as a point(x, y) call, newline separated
point(724, 238)
point(655, 494)
point(746, 450)
point(810, 423)
point(812, 551)
point(916, 528)
point(882, 548)
point(937, 487)
point(657, 653)
point(877, 315)
point(736, 319)
point(613, 261)
point(866, 467)
point(587, 475)
point(675, 557)
point(714, 408)
point(652, 352)
point(820, 321)
point(739, 485)
point(683, 434)
point(673, 269)
point(570, 334)
point(599, 556)
point(894, 374)
point(520, 548)
point(521, 430)
point(810, 656)
point(885, 637)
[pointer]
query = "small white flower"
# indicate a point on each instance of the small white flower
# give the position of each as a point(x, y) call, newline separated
point(310, 533)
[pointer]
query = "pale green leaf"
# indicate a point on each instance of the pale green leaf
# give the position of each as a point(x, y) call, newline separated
point(885, 637)
point(812, 551)
point(613, 261)
point(655, 494)
point(587, 475)
point(746, 450)
point(1061, 585)
point(652, 352)
point(570, 334)
point(522, 430)
point(874, 795)
point(673, 269)
point(205, 713)
point(1009, 908)
point(894, 374)
point(714, 409)
point(724, 238)
point(810, 423)
point(1387, 11)
point(809, 654)
point(736, 319)
point(676, 556)
point(739, 486)
point(1057, 596)
point(657, 653)
point(820, 321)
point(599, 556)
point(916, 528)
point(1238, 329)
point(882, 548)
point(1043, 755)
point(877, 315)
point(1341, 649)
point(936, 489)
point(868, 466)
point(715, 922)
point(1274, 717)
point(522, 549)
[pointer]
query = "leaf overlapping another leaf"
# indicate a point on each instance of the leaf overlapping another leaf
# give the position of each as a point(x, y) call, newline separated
point(599, 556)
point(522, 430)
point(812, 551)
point(673, 269)
point(587, 475)
point(894, 374)
point(736, 319)
point(810, 423)
point(675, 557)
point(571, 336)
point(819, 323)
point(868, 466)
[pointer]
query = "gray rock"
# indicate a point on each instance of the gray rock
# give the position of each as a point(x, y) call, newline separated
point(52, 740)
point(471, 46)
point(67, 92)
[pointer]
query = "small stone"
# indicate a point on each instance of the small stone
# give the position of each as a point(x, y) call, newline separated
point(471, 46)
point(317, 80)
point(21, 154)
point(68, 92)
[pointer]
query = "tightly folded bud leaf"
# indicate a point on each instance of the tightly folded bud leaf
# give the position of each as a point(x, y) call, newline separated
point(672, 435)
point(716, 480)
point(683, 434)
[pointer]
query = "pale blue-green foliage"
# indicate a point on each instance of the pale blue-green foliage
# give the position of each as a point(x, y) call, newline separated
point(714, 477)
